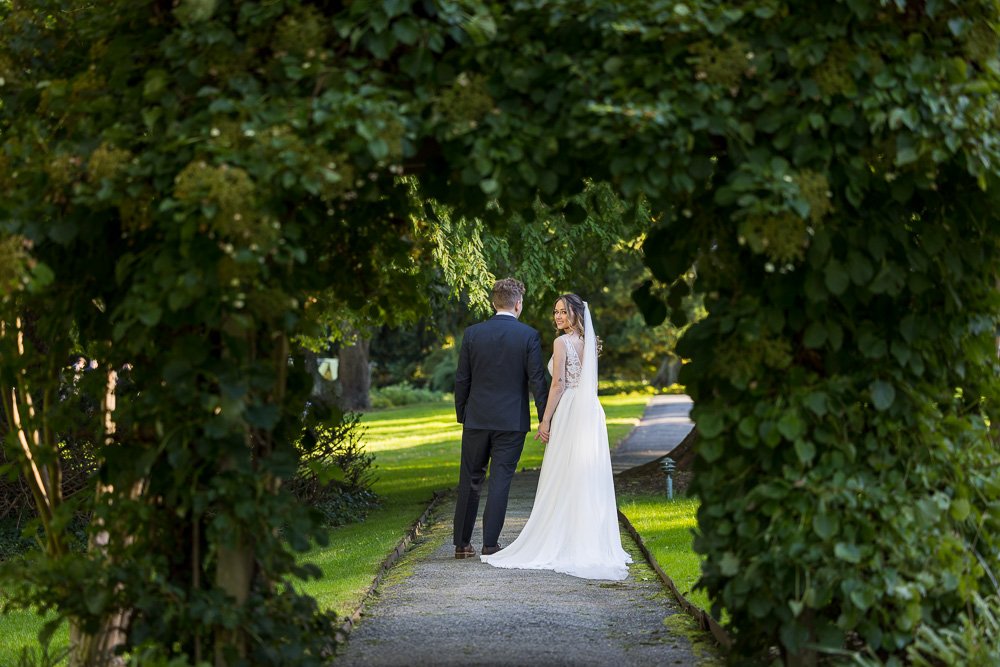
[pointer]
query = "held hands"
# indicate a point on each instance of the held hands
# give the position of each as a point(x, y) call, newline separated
point(543, 432)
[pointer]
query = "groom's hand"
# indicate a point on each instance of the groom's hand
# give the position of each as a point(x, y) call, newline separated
point(543, 432)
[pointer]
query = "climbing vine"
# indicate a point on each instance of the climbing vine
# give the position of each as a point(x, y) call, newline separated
point(182, 184)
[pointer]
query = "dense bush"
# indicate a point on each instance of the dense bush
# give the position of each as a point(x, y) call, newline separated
point(335, 472)
point(612, 387)
point(439, 367)
point(973, 642)
point(404, 394)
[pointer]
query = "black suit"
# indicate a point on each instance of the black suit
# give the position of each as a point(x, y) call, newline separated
point(498, 360)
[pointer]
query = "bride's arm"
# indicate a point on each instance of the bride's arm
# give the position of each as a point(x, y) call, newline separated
point(555, 389)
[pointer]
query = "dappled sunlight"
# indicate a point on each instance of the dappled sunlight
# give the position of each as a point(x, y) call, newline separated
point(430, 427)
point(410, 442)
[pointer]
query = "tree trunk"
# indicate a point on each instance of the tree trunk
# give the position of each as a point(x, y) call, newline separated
point(355, 376)
point(98, 649)
point(668, 371)
point(686, 451)
point(324, 392)
point(233, 575)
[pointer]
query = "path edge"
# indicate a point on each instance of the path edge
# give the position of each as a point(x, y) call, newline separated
point(388, 563)
point(702, 617)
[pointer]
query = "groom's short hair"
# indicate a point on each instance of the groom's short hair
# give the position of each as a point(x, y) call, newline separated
point(507, 292)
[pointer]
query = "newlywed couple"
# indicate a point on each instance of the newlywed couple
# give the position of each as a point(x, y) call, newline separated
point(573, 527)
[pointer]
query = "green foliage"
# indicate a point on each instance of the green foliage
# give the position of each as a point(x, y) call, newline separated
point(258, 171)
point(974, 643)
point(404, 394)
point(440, 366)
point(613, 387)
point(335, 474)
point(846, 373)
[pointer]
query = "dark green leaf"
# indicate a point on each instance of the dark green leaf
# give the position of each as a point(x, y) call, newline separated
point(836, 277)
point(825, 525)
point(883, 394)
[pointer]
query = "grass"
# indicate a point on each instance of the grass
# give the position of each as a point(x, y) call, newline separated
point(19, 630)
point(665, 527)
point(417, 450)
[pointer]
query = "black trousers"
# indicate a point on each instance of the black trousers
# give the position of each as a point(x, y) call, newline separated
point(500, 450)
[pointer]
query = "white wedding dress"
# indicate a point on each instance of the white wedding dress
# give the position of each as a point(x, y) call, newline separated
point(573, 527)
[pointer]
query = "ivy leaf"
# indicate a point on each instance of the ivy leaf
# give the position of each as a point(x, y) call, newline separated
point(665, 256)
point(883, 394)
point(836, 277)
point(863, 597)
point(264, 417)
point(710, 449)
point(815, 335)
point(149, 313)
point(860, 268)
point(825, 525)
point(805, 450)
point(960, 509)
point(847, 552)
point(791, 425)
point(710, 422)
point(729, 564)
point(816, 402)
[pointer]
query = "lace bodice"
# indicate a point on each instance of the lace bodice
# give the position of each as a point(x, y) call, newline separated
point(570, 377)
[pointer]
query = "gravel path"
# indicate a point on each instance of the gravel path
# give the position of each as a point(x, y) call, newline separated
point(436, 610)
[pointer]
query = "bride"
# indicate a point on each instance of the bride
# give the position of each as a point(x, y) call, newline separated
point(573, 527)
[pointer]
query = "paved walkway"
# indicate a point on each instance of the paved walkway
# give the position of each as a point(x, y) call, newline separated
point(436, 610)
point(663, 426)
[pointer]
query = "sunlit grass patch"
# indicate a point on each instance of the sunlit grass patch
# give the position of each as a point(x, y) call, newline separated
point(665, 527)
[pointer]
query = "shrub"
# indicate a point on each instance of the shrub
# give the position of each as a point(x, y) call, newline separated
point(335, 473)
point(974, 641)
point(439, 367)
point(404, 394)
point(612, 387)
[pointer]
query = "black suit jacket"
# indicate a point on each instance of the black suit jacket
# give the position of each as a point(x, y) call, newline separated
point(498, 361)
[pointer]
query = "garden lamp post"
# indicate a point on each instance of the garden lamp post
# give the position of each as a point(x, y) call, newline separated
point(668, 466)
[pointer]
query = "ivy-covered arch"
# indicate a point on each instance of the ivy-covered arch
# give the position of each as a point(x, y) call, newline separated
point(180, 182)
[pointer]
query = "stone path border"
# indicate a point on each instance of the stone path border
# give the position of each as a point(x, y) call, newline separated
point(387, 564)
point(703, 618)
point(663, 426)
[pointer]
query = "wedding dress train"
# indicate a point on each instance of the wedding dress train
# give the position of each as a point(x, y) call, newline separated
point(573, 527)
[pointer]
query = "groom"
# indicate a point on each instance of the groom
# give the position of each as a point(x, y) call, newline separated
point(498, 359)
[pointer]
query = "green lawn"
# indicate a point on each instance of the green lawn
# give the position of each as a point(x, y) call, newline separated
point(417, 450)
point(665, 526)
point(19, 630)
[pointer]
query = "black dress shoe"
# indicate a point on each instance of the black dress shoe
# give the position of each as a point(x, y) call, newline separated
point(465, 551)
point(489, 551)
